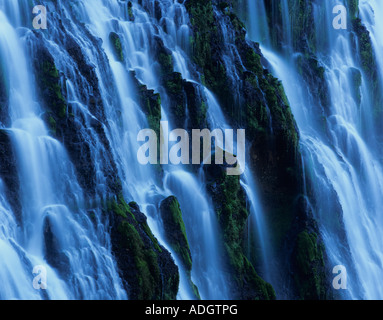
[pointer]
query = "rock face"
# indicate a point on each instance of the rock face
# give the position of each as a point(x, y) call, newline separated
point(367, 57)
point(147, 268)
point(230, 204)
point(175, 229)
point(175, 233)
point(9, 174)
point(254, 100)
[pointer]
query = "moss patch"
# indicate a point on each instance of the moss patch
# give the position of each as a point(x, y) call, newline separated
point(230, 203)
point(115, 40)
point(146, 266)
point(309, 265)
point(176, 235)
point(175, 229)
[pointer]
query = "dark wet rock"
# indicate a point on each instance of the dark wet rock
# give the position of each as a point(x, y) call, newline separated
point(53, 252)
point(9, 174)
point(230, 203)
point(146, 267)
point(175, 229)
point(4, 117)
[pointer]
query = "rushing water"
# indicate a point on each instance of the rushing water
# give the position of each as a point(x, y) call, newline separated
point(344, 165)
point(50, 191)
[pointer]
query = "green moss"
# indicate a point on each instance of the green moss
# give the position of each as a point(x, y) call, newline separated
point(309, 263)
point(166, 62)
point(130, 11)
point(303, 31)
point(122, 209)
point(154, 113)
point(174, 84)
point(230, 202)
point(353, 6)
point(175, 230)
point(205, 33)
point(148, 273)
point(149, 233)
point(49, 79)
point(365, 46)
point(143, 250)
point(115, 41)
point(52, 125)
point(151, 105)
point(253, 62)
point(202, 17)
point(368, 62)
point(176, 235)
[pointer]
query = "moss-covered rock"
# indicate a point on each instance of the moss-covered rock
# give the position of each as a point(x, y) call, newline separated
point(150, 103)
point(49, 81)
point(196, 106)
point(175, 233)
point(303, 29)
point(9, 174)
point(353, 7)
point(131, 16)
point(175, 229)
point(309, 271)
point(61, 121)
point(175, 88)
point(115, 41)
point(230, 204)
point(257, 102)
point(164, 57)
point(369, 66)
point(206, 48)
point(147, 268)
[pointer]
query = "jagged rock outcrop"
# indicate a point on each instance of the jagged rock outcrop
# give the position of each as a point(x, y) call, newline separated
point(147, 268)
point(230, 203)
point(9, 174)
point(175, 233)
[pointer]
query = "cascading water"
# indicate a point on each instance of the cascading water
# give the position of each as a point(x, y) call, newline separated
point(47, 181)
point(42, 174)
point(342, 164)
point(206, 267)
point(59, 227)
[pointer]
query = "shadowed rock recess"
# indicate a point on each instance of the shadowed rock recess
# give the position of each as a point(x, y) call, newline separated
point(111, 228)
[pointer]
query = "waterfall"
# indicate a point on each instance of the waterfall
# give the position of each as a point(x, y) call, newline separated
point(73, 99)
point(342, 161)
point(47, 183)
point(53, 201)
